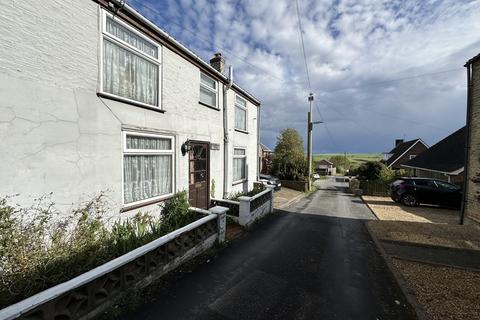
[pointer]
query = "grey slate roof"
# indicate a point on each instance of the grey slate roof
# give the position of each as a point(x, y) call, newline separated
point(447, 155)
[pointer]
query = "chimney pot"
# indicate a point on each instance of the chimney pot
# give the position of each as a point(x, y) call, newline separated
point(398, 142)
point(218, 62)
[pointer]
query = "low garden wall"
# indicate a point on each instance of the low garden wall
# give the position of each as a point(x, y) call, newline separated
point(248, 209)
point(295, 185)
point(90, 293)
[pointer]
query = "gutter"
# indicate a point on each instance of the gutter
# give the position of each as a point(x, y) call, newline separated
point(467, 142)
point(258, 144)
point(190, 53)
point(454, 172)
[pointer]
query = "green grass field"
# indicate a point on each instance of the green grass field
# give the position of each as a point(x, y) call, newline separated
point(356, 159)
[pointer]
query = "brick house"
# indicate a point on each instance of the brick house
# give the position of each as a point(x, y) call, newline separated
point(444, 160)
point(403, 152)
point(471, 206)
point(95, 97)
point(266, 158)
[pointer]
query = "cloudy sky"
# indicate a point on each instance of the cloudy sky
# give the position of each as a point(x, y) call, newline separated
point(379, 70)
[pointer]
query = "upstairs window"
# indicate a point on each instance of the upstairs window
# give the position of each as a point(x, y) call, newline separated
point(208, 91)
point(239, 164)
point(240, 114)
point(130, 64)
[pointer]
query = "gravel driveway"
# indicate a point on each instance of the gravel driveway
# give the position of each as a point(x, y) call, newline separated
point(386, 209)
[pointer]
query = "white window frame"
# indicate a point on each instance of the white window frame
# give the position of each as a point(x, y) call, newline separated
point(132, 49)
point(412, 156)
point(209, 89)
point(237, 105)
point(244, 169)
point(140, 152)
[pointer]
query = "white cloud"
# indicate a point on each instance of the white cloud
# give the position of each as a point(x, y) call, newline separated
point(349, 43)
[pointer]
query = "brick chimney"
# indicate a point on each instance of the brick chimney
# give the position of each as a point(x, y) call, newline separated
point(398, 142)
point(218, 62)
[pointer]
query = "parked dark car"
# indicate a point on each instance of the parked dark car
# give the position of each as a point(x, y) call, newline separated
point(414, 191)
point(269, 180)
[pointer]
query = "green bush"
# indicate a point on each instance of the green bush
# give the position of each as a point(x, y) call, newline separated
point(370, 170)
point(39, 248)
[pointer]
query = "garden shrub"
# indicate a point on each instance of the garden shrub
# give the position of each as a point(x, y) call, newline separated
point(40, 249)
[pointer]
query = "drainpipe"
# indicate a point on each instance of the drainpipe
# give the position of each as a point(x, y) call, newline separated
point(226, 137)
point(258, 142)
point(467, 142)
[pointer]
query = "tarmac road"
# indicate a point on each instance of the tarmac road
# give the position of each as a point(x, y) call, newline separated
point(314, 260)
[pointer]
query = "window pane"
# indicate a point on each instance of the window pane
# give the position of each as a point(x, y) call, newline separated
point(208, 97)
point(209, 82)
point(239, 169)
point(146, 176)
point(240, 101)
point(239, 152)
point(240, 118)
point(119, 31)
point(148, 143)
point(128, 75)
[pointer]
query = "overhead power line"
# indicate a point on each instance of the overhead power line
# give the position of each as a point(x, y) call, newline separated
point(290, 82)
point(394, 80)
point(300, 30)
point(266, 72)
point(212, 43)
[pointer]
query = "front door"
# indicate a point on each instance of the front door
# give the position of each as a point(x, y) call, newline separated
point(199, 175)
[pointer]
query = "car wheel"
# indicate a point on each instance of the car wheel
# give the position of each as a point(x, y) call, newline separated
point(409, 200)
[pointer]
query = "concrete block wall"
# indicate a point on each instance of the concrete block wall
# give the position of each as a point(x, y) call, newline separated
point(472, 207)
point(57, 135)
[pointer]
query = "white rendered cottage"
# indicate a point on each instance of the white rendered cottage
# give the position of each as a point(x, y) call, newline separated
point(94, 97)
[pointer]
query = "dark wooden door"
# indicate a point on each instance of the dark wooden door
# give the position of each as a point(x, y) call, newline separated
point(199, 175)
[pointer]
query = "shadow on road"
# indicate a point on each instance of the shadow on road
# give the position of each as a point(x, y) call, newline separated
point(288, 266)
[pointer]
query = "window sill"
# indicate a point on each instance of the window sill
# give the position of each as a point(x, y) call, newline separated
point(134, 103)
point(242, 131)
point(144, 204)
point(239, 182)
point(208, 106)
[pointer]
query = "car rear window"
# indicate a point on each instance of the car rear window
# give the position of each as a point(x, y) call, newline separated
point(425, 182)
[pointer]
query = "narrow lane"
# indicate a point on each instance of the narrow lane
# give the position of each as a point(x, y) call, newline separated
point(314, 260)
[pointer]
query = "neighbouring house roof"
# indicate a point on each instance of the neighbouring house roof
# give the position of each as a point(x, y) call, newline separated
point(446, 156)
point(176, 44)
point(265, 148)
point(401, 149)
point(477, 57)
point(325, 162)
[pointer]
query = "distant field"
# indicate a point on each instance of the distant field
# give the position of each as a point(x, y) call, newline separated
point(355, 158)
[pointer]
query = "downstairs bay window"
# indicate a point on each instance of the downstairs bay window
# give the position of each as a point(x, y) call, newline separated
point(147, 167)
point(130, 64)
point(239, 164)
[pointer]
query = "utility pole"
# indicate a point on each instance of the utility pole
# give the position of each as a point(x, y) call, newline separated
point(309, 141)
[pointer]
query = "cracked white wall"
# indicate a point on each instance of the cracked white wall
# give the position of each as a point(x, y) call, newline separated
point(57, 136)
